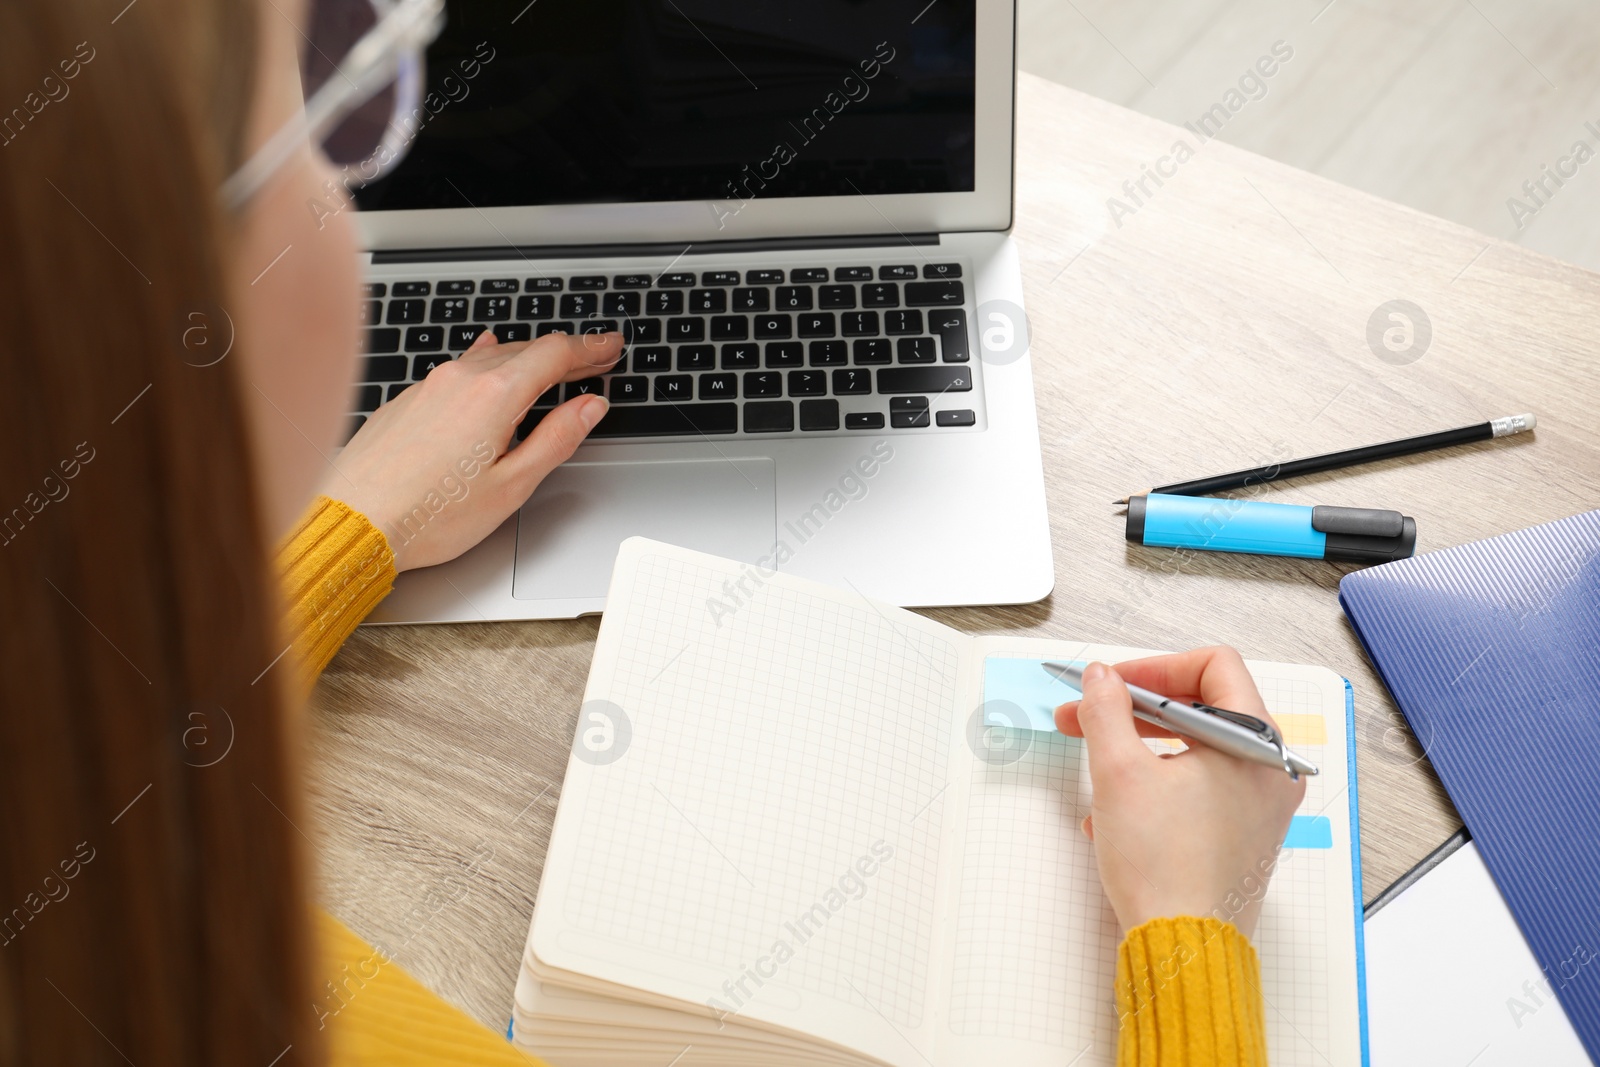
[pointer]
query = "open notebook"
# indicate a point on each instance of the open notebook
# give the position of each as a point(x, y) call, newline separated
point(789, 835)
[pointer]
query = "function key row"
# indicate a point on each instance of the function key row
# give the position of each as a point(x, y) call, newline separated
point(673, 280)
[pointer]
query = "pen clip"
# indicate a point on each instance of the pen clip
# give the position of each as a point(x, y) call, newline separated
point(1260, 727)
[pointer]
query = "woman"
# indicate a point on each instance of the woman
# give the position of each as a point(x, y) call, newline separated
point(159, 465)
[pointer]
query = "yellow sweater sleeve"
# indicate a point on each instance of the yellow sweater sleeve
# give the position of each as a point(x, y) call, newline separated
point(1189, 995)
point(335, 567)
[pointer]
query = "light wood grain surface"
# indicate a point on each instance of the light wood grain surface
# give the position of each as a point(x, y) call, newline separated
point(1221, 325)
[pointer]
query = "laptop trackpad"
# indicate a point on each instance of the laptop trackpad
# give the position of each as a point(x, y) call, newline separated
point(568, 532)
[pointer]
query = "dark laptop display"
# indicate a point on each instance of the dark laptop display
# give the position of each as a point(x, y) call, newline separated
point(604, 101)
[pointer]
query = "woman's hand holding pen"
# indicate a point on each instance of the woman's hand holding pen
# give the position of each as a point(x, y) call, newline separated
point(1188, 833)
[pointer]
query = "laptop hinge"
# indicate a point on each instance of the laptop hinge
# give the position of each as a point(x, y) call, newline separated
point(641, 249)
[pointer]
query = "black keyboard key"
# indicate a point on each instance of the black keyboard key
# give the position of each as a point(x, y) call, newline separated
point(941, 270)
point(897, 273)
point(763, 383)
point(729, 328)
point(934, 294)
point(445, 309)
point(368, 397)
point(412, 288)
point(773, 327)
point(672, 387)
point(549, 398)
point(951, 326)
point(461, 337)
point(763, 277)
point(852, 381)
point(741, 357)
point(785, 354)
point(861, 324)
point(772, 416)
point(908, 412)
point(661, 419)
point(456, 288)
point(491, 308)
point(385, 369)
point(677, 280)
point(961, 417)
point(641, 331)
point(421, 365)
point(592, 326)
point(625, 303)
point(559, 326)
point(661, 302)
point(507, 332)
point(538, 306)
point(529, 421)
point(817, 324)
point(385, 340)
point(852, 274)
point(720, 277)
point(371, 312)
point(686, 329)
point(619, 367)
point(869, 351)
point(652, 359)
point(836, 297)
point(587, 282)
point(697, 357)
point(864, 420)
point(708, 301)
point(579, 305)
point(880, 295)
point(376, 289)
point(353, 425)
point(924, 380)
point(500, 285)
point(630, 281)
point(915, 350)
point(752, 299)
point(396, 390)
point(595, 386)
point(808, 382)
point(425, 339)
point(819, 414)
point(793, 298)
point(809, 274)
point(902, 322)
point(404, 311)
point(829, 353)
point(630, 390)
point(719, 386)
point(542, 285)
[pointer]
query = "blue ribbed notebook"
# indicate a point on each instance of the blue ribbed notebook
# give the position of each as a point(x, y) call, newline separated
point(1492, 651)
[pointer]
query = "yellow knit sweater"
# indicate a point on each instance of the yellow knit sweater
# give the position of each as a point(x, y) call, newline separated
point(1188, 991)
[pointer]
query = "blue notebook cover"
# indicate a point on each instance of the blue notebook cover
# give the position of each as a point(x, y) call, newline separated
point(1492, 651)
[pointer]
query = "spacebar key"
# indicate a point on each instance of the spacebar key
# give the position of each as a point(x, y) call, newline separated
point(924, 380)
point(664, 419)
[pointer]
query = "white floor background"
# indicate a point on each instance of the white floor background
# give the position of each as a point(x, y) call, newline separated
point(1448, 106)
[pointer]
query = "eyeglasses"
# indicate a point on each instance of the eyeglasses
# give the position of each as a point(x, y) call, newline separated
point(362, 73)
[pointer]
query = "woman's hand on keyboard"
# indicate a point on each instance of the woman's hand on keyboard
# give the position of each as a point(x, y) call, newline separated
point(436, 468)
point(1192, 833)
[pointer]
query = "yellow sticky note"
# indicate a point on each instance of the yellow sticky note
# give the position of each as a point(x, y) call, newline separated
point(1303, 729)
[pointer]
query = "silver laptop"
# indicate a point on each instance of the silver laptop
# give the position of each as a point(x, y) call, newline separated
point(798, 215)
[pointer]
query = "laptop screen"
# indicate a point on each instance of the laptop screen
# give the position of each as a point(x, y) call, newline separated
point(612, 101)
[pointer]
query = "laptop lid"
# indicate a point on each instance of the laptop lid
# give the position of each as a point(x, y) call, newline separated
point(589, 122)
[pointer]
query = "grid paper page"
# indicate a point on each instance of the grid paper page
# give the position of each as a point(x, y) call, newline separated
point(1036, 939)
point(772, 749)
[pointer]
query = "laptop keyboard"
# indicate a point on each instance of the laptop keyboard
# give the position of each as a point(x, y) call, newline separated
point(766, 351)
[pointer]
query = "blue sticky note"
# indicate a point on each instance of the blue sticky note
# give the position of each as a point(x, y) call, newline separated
point(1023, 682)
point(1309, 831)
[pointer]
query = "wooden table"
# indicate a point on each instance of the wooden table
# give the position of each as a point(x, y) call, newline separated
point(1220, 324)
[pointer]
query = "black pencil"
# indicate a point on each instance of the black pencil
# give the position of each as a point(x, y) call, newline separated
point(1350, 457)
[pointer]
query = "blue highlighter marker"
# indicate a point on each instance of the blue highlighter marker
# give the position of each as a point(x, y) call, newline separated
point(1220, 524)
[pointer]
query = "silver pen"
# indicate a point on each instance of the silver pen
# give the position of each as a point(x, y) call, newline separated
point(1232, 732)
